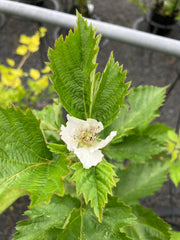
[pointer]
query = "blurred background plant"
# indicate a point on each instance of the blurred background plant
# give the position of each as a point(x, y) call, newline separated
point(173, 147)
point(20, 87)
point(170, 8)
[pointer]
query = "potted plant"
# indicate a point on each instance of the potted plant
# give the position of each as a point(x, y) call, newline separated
point(162, 16)
point(51, 4)
point(86, 8)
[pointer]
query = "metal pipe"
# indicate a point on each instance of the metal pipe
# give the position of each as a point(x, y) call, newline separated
point(111, 31)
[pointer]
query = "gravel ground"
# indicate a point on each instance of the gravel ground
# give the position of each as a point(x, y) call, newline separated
point(144, 67)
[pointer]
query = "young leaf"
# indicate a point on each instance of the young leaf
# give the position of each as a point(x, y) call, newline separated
point(140, 180)
point(25, 161)
point(57, 148)
point(136, 148)
point(44, 217)
point(84, 225)
point(175, 172)
point(141, 108)
point(50, 116)
point(149, 226)
point(110, 93)
point(73, 63)
point(51, 120)
point(95, 183)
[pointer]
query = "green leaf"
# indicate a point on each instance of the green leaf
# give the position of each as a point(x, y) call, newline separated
point(175, 235)
point(136, 148)
point(51, 120)
point(84, 225)
point(25, 161)
point(73, 63)
point(141, 108)
point(50, 116)
point(158, 131)
point(175, 172)
point(44, 217)
point(57, 148)
point(149, 226)
point(140, 180)
point(59, 220)
point(110, 93)
point(95, 183)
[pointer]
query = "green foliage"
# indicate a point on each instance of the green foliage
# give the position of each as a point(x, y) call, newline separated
point(140, 109)
point(173, 147)
point(35, 161)
point(169, 8)
point(110, 94)
point(61, 220)
point(75, 80)
point(149, 226)
point(45, 217)
point(131, 148)
point(26, 162)
point(51, 120)
point(175, 235)
point(95, 183)
point(140, 180)
point(11, 87)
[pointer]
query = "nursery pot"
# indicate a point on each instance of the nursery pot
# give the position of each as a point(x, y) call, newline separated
point(86, 12)
point(160, 24)
point(51, 4)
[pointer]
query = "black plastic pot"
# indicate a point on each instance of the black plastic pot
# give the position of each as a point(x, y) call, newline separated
point(51, 4)
point(86, 12)
point(160, 24)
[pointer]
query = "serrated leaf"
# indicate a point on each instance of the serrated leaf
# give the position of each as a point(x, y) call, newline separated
point(95, 183)
point(51, 120)
point(44, 217)
point(158, 131)
point(25, 161)
point(149, 226)
point(57, 148)
point(110, 93)
point(84, 225)
point(141, 108)
point(73, 63)
point(136, 148)
point(140, 180)
point(175, 172)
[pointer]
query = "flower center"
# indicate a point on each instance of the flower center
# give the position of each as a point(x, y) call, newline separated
point(87, 138)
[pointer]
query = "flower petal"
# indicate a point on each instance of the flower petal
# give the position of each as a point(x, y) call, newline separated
point(105, 141)
point(88, 158)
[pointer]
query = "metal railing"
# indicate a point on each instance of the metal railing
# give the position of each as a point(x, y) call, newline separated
point(111, 31)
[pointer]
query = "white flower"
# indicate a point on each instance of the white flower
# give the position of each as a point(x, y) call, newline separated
point(81, 137)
